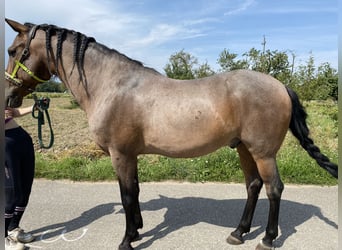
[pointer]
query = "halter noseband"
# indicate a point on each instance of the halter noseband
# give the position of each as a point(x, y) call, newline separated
point(19, 64)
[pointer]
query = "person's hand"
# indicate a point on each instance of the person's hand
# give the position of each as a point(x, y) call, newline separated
point(11, 112)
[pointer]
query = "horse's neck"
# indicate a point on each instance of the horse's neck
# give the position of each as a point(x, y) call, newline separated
point(80, 80)
point(95, 78)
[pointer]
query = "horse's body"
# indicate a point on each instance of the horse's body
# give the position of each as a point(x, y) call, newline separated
point(189, 118)
point(135, 110)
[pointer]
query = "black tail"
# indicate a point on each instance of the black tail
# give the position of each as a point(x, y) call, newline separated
point(300, 130)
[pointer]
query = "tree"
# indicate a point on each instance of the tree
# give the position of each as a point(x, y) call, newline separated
point(304, 83)
point(228, 61)
point(50, 86)
point(280, 67)
point(313, 83)
point(258, 60)
point(327, 81)
point(274, 63)
point(308, 81)
point(203, 70)
point(181, 66)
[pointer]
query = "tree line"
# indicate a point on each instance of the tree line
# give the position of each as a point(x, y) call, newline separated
point(310, 82)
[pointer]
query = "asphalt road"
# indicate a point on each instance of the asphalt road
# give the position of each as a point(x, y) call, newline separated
point(66, 215)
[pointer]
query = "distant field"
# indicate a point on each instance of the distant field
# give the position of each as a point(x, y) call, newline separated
point(74, 155)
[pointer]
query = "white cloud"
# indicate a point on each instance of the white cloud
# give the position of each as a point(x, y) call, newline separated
point(201, 21)
point(87, 16)
point(241, 7)
point(165, 32)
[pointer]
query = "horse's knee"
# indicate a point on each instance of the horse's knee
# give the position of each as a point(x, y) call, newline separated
point(254, 187)
point(275, 190)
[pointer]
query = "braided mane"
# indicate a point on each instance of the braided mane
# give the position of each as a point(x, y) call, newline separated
point(80, 42)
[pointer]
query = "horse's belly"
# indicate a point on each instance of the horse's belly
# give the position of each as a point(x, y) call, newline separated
point(188, 143)
point(192, 126)
point(183, 152)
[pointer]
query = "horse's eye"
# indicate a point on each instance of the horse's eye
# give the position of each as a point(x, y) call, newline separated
point(11, 52)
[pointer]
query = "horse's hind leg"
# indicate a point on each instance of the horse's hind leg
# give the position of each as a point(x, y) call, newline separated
point(268, 171)
point(126, 167)
point(253, 185)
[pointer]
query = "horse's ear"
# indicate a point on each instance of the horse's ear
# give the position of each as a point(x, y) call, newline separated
point(18, 27)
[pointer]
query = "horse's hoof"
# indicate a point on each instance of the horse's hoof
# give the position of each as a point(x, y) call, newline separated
point(233, 240)
point(264, 246)
point(125, 247)
point(136, 237)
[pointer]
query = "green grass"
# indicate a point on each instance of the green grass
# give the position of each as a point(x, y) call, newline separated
point(75, 168)
point(221, 166)
point(48, 94)
point(295, 165)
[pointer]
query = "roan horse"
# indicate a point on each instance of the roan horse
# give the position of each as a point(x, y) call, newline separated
point(132, 110)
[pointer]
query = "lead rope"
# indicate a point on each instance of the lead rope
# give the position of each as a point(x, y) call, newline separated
point(42, 106)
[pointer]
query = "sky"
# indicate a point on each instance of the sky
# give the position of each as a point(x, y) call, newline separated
point(152, 30)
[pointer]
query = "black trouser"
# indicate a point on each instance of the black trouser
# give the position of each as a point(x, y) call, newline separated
point(19, 173)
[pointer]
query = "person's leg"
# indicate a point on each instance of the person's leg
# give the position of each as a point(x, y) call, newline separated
point(23, 173)
point(10, 163)
point(9, 199)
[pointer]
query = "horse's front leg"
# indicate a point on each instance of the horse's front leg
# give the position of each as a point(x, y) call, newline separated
point(126, 168)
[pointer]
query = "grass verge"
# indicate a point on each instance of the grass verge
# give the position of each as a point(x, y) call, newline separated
point(220, 166)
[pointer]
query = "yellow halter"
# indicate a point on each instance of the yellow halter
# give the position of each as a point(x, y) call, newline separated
point(16, 68)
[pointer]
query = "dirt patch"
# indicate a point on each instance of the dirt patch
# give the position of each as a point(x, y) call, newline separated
point(70, 127)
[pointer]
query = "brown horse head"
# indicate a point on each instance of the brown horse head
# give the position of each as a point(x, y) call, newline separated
point(25, 69)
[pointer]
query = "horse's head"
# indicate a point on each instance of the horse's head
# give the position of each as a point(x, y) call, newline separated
point(27, 65)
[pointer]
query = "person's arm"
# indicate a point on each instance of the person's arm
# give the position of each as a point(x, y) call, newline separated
point(17, 112)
